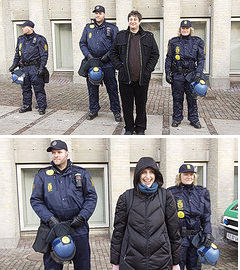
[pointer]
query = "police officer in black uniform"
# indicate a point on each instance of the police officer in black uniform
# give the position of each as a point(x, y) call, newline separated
point(31, 56)
point(194, 213)
point(185, 55)
point(96, 42)
point(65, 192)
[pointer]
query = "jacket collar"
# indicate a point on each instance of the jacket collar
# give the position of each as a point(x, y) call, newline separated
point(141, 31)
point(67, 170)
point(102, 25)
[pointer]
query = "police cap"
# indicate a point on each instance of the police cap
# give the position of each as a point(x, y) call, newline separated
point(186, 168)
point(185, 23)
point(58, 145)
point(28, 23)
point(99, 9)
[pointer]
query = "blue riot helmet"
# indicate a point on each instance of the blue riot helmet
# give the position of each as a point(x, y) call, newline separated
point(199, 89)
point(63, 249)
point(208, 255)
point(18, 76)
point(95, 75)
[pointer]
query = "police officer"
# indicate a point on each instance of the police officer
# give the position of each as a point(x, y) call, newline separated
point(64, 192)
point(194, 213)
point(95, 42)
point(31, 56)
point(185, 55)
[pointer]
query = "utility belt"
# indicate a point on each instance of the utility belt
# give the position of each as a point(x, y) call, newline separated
point(183, 70)
point(185, 232)
point(31, 63)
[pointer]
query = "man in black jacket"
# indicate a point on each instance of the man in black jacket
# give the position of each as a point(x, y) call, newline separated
point(134, 54)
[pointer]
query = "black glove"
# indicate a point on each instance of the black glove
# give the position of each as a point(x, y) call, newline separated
point(197, 77)
point(52, 221)
point(41, 71)
point(78, 221)
point(13, 66)
point(169, 77)
point(89, 56)
point(105, 58)
point(208, 240)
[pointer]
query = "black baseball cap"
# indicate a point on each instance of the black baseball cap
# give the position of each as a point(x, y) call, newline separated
point(99, 9)
point(28, 23)
point(58, 145)
point(185, 23)
point(186, 168)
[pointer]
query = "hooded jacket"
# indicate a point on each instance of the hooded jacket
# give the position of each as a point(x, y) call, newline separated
point(145, 239)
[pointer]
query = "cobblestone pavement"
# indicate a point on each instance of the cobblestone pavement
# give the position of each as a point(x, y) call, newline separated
point(68, 106)
point(24, 258)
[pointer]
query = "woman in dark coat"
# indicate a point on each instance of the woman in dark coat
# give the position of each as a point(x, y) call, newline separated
point(146, 232)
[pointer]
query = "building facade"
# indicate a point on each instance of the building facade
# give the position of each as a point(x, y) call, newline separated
point(62, 23)
point(111, 162)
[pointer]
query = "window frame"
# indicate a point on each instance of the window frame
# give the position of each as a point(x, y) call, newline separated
point(53, 23)
point(15, 24)
point(234, 72)
point(19, 168)
point(207, 43)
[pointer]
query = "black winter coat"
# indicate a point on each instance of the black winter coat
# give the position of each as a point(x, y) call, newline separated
point(149, 55)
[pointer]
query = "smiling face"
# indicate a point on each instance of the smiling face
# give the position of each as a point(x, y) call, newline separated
point(133, 23)
point(99, 17)
point(187, 178)
point(147, 177)
point(59, 157)
point(185, 31)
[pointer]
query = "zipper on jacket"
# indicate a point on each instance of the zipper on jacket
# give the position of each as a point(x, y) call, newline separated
point(127, 59)
point(147, 233)
point(141, 58)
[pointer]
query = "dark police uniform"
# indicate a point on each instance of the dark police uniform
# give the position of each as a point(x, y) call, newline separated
point(185, 54)
point(32, 55)
point(194, 212)
point(97, 40)
point(55, 194)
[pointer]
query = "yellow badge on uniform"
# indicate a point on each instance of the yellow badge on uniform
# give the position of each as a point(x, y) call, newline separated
point(180, 214)
point(92, 26)
point(33, 187)
point(202, 82)
point(177, 50)
point(45, 47)
point(66, 240)
point(20, 46)
point(90, 35)
point(180, 204)
point(177, 57)
point(92, 182)
point(49, 172)
point(49, 187)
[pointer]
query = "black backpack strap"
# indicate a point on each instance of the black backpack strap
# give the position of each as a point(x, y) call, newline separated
point(162, 194)
point(129, 199)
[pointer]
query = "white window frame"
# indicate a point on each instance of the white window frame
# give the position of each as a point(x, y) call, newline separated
point(161, 56)
point(39, 166)
point(234, 72)
point(207, 43)
point(15, 24)
point(54, 44)
point(200, 164)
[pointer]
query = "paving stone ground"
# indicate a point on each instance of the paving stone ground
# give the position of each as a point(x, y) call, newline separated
point(24, 258)
point(67, 111)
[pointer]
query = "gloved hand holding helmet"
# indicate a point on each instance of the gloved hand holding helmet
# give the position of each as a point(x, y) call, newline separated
point(95, 75)
point(208, 239)
point(13, 66)
point(78, 221)
point(169, 77)
point(63, 249)
point(18, 76)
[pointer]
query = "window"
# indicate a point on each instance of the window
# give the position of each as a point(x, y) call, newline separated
point(156, 27)
point(202, 30)
point(28, 218)
point(235, 180)
point(201, 171)
point(235, 46)
point(62, 45)
point(17, 30)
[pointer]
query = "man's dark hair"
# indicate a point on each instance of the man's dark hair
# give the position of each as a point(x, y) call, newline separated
point(135, 13)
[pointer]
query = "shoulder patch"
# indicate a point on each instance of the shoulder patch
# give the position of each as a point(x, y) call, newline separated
point(92, 26)
point(50, 172)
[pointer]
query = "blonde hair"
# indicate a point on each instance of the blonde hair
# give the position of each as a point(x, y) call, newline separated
point(191, 31)
point(178, 179)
